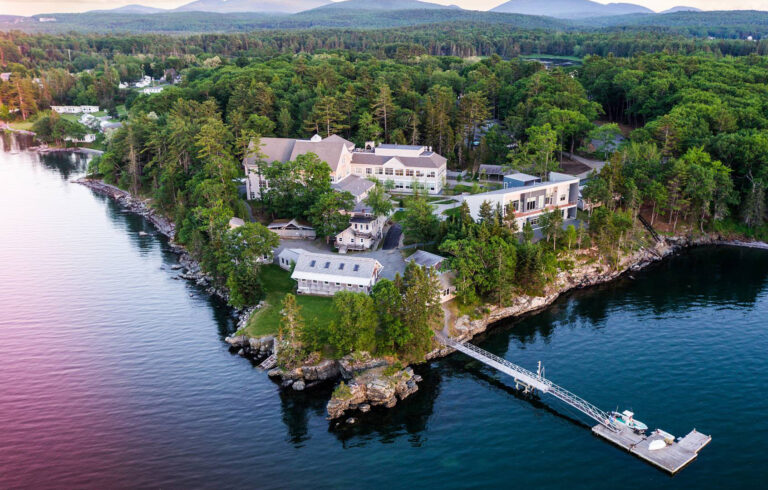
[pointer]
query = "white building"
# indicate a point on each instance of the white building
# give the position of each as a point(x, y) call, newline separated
point(153, 90)
point(75, 109)
point(145, 81)
point(405, 166)
point(365, 229)
point(87, 138)
point(288, 257)
point(292, 229)
point(326, 274)
point(531, 198)
point(445, 277)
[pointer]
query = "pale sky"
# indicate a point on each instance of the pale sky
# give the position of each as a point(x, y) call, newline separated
point(31, 7)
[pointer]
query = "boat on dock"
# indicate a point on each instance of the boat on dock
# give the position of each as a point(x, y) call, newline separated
point(627, 419)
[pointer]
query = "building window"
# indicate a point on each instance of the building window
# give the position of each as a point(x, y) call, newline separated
point(516, 205)
point(389, 171)
point(312, 264)
point(327, 265)
point(530, 205)
point(562, 198)
point(432, 175)
point(357, 266)
point(341, 266)
point(369, 170)
point(379, 171)
point(399, 172)
point(409, 173)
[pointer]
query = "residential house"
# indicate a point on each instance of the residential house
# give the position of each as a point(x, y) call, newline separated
point(437, 263)
point(404, 165)
point(292, 229)
point(365, 230)
point(326, 274)
point(531, 198)
point(75, 109)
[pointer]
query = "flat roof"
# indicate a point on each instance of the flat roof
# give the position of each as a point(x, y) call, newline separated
point(522, 177)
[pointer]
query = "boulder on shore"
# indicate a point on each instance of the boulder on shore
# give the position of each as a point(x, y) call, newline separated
point(373, 387)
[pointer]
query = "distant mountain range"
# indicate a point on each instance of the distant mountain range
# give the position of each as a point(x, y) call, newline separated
point(569, 9)
point(561, 9)
point(386, 5)
point(265, 6)
point(680, 9)
point(280, 6)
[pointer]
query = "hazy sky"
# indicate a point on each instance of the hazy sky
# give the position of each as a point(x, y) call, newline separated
point(30, 7)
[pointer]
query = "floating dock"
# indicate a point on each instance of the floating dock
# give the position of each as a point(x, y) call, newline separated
point(671, 458)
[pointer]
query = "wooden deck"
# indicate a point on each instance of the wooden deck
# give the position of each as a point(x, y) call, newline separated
point(671, 459)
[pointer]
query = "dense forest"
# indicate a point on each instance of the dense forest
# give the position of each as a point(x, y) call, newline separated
point(693, 156)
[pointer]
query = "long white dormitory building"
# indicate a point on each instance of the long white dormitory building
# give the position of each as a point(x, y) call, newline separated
point(326, 274)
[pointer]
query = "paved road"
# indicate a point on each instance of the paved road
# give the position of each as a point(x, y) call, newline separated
point(392, 240)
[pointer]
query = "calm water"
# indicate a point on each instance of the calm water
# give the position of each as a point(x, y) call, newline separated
point(113, 374)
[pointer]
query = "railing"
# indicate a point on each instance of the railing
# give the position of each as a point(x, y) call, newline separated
point(532, 379)
point(648, 227)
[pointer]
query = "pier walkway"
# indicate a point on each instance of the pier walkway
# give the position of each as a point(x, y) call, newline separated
point(672, 456)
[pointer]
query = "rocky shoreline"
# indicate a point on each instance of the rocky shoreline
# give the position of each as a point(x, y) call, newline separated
point(370, 381)
point(188, 268)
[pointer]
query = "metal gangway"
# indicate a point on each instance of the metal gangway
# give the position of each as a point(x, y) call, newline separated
point(531, 380)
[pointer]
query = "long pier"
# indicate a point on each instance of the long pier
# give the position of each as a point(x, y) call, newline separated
point(671, 456)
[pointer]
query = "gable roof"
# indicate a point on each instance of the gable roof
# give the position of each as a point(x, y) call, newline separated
point(284, 223)
point(425, 259)
point(354, 184)
point(334, 268)
point(425, 160)
point(328, 151)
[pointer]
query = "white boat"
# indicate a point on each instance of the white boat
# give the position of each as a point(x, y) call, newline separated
point(626, 418)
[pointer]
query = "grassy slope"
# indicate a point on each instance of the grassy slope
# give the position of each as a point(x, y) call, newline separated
point(277, 283)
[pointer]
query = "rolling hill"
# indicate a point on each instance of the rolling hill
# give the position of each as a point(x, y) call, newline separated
point(386, 5)
point(569, 9)
point(261, 6)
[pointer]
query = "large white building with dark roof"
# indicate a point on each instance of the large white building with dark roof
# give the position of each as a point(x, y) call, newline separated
point(406, 166)
point(326, 274)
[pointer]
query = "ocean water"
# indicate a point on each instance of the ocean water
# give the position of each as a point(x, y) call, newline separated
point(114, 374)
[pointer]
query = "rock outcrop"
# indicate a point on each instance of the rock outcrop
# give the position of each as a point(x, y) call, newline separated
point(373, 387)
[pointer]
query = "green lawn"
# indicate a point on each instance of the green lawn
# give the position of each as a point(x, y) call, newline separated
point(452, 212)
point(277, 283)
point(22, 125)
